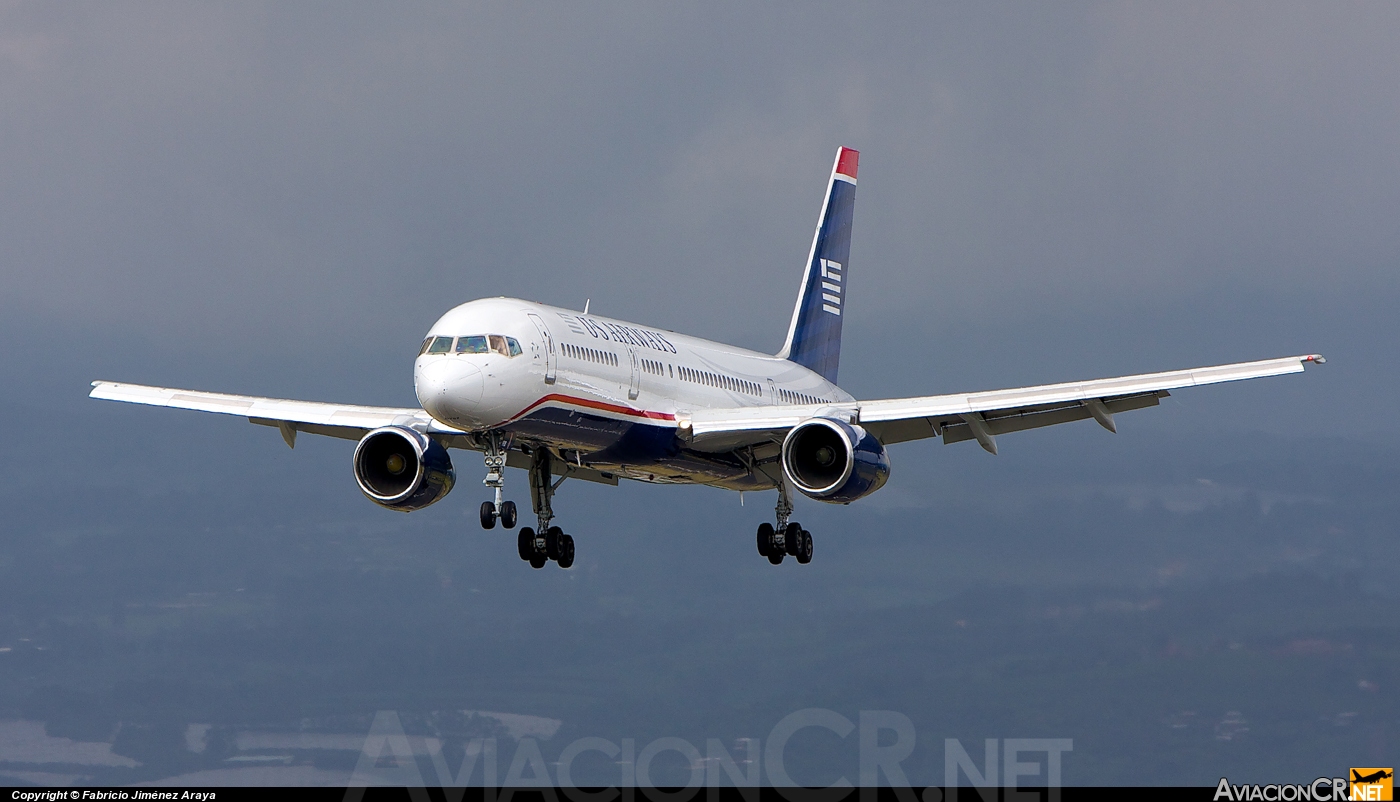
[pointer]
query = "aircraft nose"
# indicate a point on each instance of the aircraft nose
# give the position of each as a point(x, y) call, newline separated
point(449, 389)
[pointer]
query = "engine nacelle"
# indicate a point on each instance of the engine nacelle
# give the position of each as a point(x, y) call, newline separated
point(402, 469)
point(834, 461)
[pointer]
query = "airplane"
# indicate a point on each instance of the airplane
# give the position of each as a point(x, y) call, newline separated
point(1373, 777)
point(566, 394)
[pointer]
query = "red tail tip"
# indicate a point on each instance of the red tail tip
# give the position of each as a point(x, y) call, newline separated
point(847, 162)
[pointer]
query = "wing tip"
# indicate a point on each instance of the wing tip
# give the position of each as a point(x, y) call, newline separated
point(1316, 359)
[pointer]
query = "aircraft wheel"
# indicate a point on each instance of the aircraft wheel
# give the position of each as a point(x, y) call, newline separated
point(792, 539)
point(765, 539)
point(488, 515)
point(804, 552)
point(525, 543)
point(508, 514)
point(775, 557)
point(538, 561)
point(551, 542)
point(566, 551)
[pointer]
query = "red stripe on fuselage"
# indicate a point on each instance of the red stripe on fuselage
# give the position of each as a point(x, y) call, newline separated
point(590, 404)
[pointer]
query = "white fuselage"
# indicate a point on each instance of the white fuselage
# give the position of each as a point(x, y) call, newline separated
point(607, 390)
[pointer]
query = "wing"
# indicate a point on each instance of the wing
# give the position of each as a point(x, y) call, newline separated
point(335, 420)
point(977, 416)
point(346, 421)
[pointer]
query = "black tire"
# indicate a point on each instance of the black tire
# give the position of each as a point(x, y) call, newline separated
point(804, 555)
point(776, 557)
point(765, 539)
point(525, 543)
point(792, 539)
point(538, 561)
point(488, 515)
point(566, 551)
point(551, 542)
point(508, 514)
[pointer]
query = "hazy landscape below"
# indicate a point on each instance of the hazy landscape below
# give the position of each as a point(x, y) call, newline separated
point(207, 600)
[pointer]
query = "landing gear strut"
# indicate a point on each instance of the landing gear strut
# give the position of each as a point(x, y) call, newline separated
point(504, 511)
point(538, 546)
point(787, 538)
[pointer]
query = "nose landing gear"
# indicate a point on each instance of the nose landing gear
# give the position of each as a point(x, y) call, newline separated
point(503, 511)
point(787, 539)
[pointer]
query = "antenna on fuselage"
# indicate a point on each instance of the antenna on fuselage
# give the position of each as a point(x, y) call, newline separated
point(586, 302)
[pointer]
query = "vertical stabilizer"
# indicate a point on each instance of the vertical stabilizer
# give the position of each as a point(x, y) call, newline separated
point(814, 335)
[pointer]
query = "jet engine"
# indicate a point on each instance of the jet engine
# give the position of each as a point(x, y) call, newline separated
point(834, 461)
point(402, 469)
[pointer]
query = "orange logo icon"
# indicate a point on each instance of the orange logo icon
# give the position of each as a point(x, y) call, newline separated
point(1373, 785)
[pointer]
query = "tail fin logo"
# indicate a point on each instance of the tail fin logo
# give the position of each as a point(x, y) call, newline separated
point(831, 287)
point(814, 335)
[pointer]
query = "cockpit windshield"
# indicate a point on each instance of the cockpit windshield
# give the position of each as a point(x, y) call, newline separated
point(475, 344)
point(472, 344)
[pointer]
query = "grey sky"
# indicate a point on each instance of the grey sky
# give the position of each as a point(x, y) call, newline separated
point(1047, 192)
point(280, 199)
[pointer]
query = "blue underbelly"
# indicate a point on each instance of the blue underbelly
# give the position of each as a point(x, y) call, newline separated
point(610, 444)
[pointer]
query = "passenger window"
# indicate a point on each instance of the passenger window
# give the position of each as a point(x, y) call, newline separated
point(441, 345)
point(514, 346)
point(475, 344)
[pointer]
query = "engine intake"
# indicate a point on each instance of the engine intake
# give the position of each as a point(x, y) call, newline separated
point(833, 461)
point(401, 469)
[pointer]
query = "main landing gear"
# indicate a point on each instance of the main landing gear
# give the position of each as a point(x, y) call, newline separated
point(787, 539)
point(535, 546)
point(539, 546)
